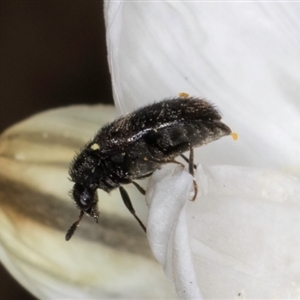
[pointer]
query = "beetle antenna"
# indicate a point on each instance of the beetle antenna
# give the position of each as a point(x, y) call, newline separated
point(74, 226)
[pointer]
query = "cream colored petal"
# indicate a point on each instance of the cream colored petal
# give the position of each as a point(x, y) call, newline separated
point(109, 260)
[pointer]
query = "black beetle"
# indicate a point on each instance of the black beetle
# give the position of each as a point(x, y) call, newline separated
point(135, 145)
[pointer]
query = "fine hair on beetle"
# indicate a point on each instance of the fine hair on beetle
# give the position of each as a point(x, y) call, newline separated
point(133, 146)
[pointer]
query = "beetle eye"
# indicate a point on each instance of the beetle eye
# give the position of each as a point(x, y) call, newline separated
point(83, 196)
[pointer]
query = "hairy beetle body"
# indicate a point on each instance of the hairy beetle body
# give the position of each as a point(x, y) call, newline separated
point(135, 145)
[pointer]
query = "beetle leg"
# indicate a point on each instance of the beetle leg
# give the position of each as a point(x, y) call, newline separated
point(176, 162)
point(165, 161)
point(129, 206)
point(141, 190)
point(187, 160)
point(191, 161)
point(191, 171)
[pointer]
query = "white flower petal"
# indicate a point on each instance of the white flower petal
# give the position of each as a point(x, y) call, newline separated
point(245, 57)
point(241, 233)
point(167, 192)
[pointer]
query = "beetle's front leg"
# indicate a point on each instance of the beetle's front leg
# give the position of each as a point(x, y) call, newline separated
point(129, 206)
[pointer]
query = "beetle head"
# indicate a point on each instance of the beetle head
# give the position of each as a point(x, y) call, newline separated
point(86, 199)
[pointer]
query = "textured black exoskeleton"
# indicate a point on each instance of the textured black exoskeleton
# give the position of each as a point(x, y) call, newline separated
point(135, 145)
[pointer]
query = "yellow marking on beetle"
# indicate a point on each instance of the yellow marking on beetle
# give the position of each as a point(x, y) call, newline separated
point(145, 159)
point(183, 95)
point(234, 136)
point(95, 146)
